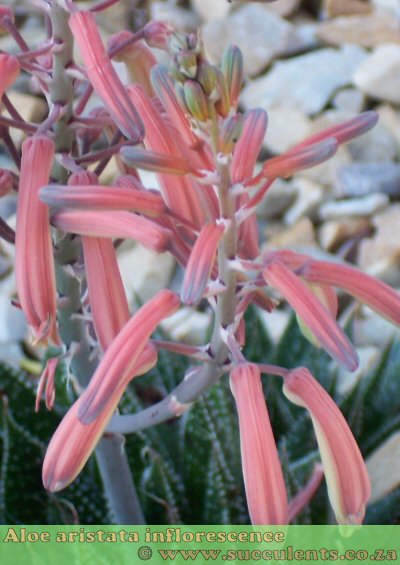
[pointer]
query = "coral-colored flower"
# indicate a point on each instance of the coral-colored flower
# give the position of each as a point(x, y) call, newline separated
point(137, 57)
point(263, 479)
point(313, 313)
point(300, 158)
point(46, 384)
point(9, 71)
point(345, 471)
point(107, 298)
point(197, 203)
point(200, 264)
point(157, 34)
point(103, 76)
point(116, 365)
point(374, 293)
point(344, 132)
point(98, 197)
point(249, 145)
point(73, 442)
point(34, 267)
point(112, 224)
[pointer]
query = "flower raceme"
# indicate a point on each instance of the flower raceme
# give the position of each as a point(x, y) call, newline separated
point(186, 128)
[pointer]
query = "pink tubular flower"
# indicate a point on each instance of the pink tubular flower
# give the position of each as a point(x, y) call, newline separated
point(263, 479)
point(98, 197)
point(112, 224)
point(157, 34)
point(73, 442)
point(9, 71)
point(200, 263)
point(137, 57)
point(108, 303)
point(34, 267)
point(6, 182)
point(180, 194)
point(116, 365)
point(372, 292)
point(345, 471)
point(46, 383)
point(314, 314)
point(103, 76)
point(300, 158)
point(154, 161)
point(107, 298)
point(345, 131)
point(249, 145)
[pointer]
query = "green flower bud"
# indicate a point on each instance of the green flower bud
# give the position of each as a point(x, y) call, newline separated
point(187, 63)
point(223, 104)
point(196, 100)
point(207, 77)
point(230, 131)
point(232, 69)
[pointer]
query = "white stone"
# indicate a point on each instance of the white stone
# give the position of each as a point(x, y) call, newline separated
point(391, 6)
point(286, 127)
point(309, 196)
point(306, 82)
point(384, 467)
point(143, 272)
point(278, 198)
point(180, 18)
point(354, 207)
point(349, 100)
point(210, 10)
point(188, 325)
point(260, 35)
point(378, 76)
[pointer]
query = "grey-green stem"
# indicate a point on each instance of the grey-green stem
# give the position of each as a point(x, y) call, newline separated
point(189, 390)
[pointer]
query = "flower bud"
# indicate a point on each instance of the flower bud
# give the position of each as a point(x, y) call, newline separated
point(232, 69)
point(195, 100)
point(187, 63)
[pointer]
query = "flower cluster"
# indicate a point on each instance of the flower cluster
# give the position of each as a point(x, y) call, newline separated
point(184, 124)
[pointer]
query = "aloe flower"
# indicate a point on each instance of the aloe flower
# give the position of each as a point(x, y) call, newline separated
point(265, 487)
point(34, 267)
point(98, 197)
point(103, 76)
point(73, 442)
point(138, 59)
point(47, 385)
point(9, 71)
point(108, 303)
point(116, 365)
point(130, 354)
point(113, 224)
point(249, 145)
point(311, 310)
point(345, 471)
point(200, 264)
